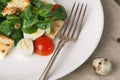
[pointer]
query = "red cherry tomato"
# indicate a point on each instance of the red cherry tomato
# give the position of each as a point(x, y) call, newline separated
point(55, 6)
point(43, 46)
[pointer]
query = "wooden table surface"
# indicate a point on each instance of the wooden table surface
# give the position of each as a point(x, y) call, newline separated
point(108, 47)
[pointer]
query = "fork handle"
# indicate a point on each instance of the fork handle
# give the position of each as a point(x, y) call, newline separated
point(49, 65)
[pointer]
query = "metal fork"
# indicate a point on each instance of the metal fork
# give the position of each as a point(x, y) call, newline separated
point(71, 31)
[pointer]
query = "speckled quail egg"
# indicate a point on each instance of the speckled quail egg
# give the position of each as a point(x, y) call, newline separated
point(102, 66)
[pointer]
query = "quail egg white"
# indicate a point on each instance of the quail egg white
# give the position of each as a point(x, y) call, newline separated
point(25, 47)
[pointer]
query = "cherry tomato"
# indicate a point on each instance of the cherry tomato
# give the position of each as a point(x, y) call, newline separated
point(55, 6)
point(43, 46)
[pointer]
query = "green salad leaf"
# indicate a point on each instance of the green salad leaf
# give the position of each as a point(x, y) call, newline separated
point(26, 14)
point(7, 26)
point(29, 30)
point(43, 25)
point(45, 10)
point(17, 35)
point(37, 15)
point(2, 19)
point(35, 3)
point(5, 0)
point(29, 23)
point(58, 14)
point(12, 17)
point(28, 17)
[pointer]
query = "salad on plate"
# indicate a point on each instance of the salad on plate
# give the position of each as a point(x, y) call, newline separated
point(30, 26)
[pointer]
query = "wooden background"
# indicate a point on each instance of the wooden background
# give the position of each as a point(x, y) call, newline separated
point(108, 47)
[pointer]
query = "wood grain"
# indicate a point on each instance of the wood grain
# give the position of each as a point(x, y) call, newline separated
point(108, 47)
point(118, 1)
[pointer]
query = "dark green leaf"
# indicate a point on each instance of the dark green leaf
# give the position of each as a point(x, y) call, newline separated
point(29, 30)
point(7, 26)
point(37, 3)
point(5, 0)
point(28, 17)
point(44, 25)
point(45, 10)
point(26, 14)
point(12, 17)
point(2, 19)
point(17, 35)
point(30, 22)
point(40, 18)
point(58, 14)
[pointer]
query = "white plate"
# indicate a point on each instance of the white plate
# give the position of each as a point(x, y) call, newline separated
point(71, 56)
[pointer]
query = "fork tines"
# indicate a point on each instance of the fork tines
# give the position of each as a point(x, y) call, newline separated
point(74, 21)
point(70, 32)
